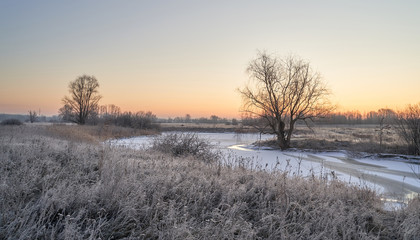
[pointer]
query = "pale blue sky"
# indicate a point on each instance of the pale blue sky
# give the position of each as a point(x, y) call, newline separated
point(178, 57)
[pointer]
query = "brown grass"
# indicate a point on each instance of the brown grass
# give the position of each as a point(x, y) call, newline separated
point(356, 138)
point(60, 188)
point(94, 134)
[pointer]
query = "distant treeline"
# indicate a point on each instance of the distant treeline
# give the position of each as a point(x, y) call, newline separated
point(112, 114)
point(213, 119)
point(355, 117)
point(25, 117)
point(381, 116)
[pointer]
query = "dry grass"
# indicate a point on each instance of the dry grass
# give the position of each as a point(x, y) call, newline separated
point(56, 188)
point(356, 138)
point(94, 134)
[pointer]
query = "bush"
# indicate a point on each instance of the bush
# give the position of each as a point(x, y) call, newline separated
point(183, 144)
point(11, 121)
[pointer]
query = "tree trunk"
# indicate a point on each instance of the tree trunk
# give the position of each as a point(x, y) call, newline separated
point(283, 142)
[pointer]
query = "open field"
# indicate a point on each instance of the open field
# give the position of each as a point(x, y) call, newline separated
point(54, 186)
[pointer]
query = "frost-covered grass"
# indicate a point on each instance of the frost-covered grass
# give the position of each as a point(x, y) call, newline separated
point(53, 186)
point(355, 138)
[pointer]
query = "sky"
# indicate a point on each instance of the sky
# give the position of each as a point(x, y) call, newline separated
point(190, 57)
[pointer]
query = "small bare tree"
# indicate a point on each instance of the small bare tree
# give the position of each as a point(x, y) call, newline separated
point(83, 100)
point(65, 113)
point(283, 91)
point(109, 113)
point(385, 117)
point(408, 127)
point(32, 116)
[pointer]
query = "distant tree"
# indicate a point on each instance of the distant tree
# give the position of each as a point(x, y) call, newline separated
point(203, 120)
point(109, 113)
point(187, 118)
point(144, 120)
point(93, 116)
point(140, 120)
point(234, 121)
point(214, 119)
point(65, 113)
point(114, 110)
point(353, 117)
point(408, 127)
point(385, 117)
point(371, 117)
point(32, 116)
point(284, 91)
point(83, 100)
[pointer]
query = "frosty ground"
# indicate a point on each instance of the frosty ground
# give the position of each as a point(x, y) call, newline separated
point(63, 182)
point(395, 177)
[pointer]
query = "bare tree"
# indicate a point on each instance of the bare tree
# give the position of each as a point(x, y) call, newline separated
point(283, 91)
point(83, 100)
point(408, 127)
point(109, 113)
point(384, 116)
point(214, 119)
point(65, 113)
point(32, 116)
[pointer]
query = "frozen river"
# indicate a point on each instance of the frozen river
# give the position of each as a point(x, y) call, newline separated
point(395, 178)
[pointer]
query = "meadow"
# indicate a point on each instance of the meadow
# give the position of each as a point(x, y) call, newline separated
point(63, 182)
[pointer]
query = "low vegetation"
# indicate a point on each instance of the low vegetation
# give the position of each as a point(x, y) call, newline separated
point(11, 121)
point(352, 138)
point(94, 133)
point(58, 187)
point(185, 144)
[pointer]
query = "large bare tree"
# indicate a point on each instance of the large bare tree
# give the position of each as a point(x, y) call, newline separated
point(83, 100)
point(281, 92)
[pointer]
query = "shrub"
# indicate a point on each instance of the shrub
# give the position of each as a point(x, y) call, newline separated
point(183, 144)
point(11, 121)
